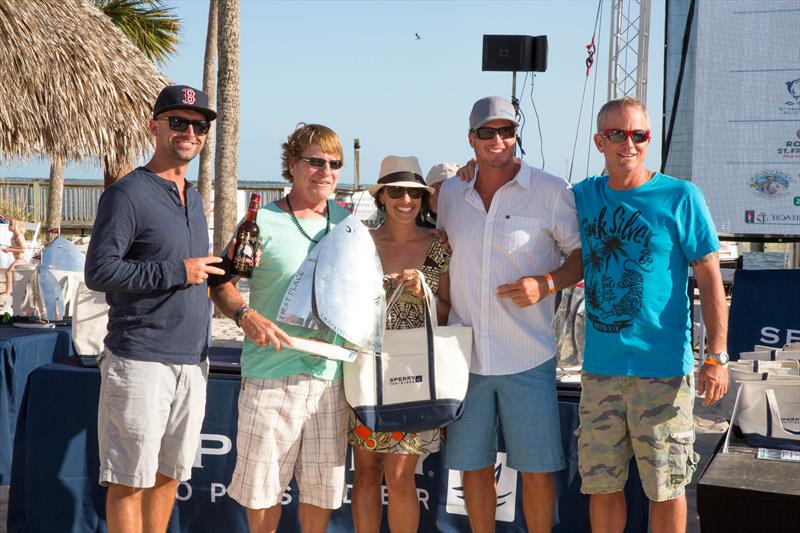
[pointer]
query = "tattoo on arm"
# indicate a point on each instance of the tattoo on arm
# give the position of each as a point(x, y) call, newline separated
point(706, 258)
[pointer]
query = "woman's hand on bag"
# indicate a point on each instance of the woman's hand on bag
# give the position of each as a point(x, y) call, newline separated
point(412, 283)
point(262, 332)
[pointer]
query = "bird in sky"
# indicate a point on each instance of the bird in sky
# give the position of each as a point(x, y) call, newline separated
point(417, 36)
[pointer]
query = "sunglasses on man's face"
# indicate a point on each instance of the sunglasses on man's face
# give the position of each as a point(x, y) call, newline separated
point(180, 124)
point(396, 192)
point(318, 162)
point(619, 136)
point(485, 134)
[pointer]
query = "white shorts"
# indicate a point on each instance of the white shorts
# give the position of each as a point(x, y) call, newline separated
point(295, 425)
point(149, 419)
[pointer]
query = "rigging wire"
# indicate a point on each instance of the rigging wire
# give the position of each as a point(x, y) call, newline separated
point(591, 48)
point(594, 101)
point(520, 115)
point(538, 122)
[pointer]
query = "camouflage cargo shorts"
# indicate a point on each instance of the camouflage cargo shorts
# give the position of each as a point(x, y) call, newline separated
point(649, 418)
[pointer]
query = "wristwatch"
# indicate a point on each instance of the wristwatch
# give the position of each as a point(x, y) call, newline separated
point(720, 358)
point(241, 313)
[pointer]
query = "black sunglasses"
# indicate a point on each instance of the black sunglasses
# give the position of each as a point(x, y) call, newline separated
point(619, 136)
point(396, 192)
point(506, 132)
point(318, 162)
point(200, 127)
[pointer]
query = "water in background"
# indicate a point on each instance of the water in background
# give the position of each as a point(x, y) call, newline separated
point(763, 260)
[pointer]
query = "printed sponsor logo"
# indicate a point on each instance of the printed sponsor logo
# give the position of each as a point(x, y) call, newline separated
point(405, 380)
point(506, 483)
point(790, 149)
point(781, 219)
point(791, 106)
point(773, 336)
point(770, 183)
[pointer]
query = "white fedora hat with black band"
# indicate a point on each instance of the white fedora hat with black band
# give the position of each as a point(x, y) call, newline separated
point(400, 172)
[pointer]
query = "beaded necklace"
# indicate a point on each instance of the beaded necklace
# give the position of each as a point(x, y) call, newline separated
point(300, 228)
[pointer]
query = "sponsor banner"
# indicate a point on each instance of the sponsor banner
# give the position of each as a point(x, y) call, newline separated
point(746, 138)
point(759, 310)
point(506, 485)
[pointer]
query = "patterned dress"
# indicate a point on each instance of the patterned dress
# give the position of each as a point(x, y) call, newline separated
point(405, 313)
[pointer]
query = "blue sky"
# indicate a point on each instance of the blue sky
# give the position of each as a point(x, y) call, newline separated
point(357, 67)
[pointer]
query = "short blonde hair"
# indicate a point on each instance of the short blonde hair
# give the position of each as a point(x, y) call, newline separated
point(17, 226)
point(613, 105)
point(304, 136)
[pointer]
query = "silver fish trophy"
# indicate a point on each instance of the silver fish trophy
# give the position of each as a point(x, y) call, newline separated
point(348, 285)
point(339, 286)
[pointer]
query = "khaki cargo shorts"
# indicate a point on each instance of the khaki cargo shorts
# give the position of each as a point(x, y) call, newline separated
point(649, 418)
point(149, 419)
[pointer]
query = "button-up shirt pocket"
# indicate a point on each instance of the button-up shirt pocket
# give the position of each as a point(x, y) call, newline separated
point(519, 233)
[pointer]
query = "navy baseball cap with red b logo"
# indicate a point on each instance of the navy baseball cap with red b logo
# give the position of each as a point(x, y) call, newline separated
point(183, 97)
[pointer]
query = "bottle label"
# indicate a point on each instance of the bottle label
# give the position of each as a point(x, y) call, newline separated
point(245, 256)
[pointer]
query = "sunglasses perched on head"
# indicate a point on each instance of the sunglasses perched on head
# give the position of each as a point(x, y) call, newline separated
point(396, 192)
point(619, 136)
point(200, 127)
point(506, 132)
point(318, 162)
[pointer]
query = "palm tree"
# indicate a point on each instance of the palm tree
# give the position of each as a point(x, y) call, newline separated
point(151, 27)
point(55, 193)
point(74, 93)
point(204, 176)
point(227, 147)
point(154, 30)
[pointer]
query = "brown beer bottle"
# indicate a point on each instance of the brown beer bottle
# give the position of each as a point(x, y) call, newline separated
point(244, 258)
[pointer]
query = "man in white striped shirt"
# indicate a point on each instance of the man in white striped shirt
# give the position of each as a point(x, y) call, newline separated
point(508, 227)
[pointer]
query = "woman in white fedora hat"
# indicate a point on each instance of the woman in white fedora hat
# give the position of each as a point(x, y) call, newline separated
point(404, 247)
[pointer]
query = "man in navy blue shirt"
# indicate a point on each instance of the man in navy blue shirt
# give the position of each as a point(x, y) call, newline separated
point(149, 255)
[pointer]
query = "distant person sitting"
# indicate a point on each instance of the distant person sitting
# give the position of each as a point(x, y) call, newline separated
point(436, 176)
point(18, 249)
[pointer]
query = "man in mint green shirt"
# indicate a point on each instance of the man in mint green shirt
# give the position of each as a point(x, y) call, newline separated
point(292, 409)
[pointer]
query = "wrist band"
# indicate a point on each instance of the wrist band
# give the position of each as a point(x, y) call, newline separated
point(241, 313)
point(551, 286)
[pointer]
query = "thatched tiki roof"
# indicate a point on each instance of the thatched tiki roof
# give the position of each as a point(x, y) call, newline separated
point(72, 85)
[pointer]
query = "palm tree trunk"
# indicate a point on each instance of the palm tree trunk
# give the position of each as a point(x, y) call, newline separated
point(227, 146)
point(204, 178)
point(55, 193)
point(114, 171)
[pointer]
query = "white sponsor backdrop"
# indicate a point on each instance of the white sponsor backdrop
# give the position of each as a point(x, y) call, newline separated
point(746, 153)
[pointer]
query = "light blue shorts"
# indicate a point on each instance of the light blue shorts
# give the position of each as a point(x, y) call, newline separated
point(524, 407)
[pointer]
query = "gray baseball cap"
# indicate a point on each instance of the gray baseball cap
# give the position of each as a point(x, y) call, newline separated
point(491, 108)
point(440, 172)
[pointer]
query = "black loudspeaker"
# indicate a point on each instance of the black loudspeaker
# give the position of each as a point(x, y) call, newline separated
point(515, 53)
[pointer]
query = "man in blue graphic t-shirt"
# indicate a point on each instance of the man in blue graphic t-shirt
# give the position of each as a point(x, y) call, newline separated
point(640, 233)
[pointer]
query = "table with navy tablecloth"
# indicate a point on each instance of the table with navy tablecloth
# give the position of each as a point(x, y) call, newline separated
point(22, 351)
point(54, 481)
